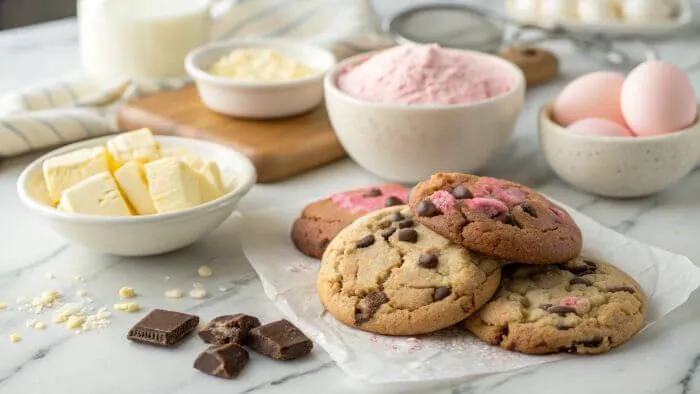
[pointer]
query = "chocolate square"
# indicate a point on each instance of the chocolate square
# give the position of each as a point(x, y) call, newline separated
point(228, 329)
point(225, 361)
point(280, 340)
point(163, 328)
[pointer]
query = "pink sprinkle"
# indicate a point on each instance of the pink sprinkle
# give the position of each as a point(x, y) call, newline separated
point(560, 214)
point(444, 201)
point(581, 304)
point(489, 206)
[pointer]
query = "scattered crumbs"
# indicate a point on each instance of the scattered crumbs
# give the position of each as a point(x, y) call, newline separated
point(66, 311)
point(173, 293)
point(204, 271)
point(30, 323)
point(299, 267)
point(404, 345)
point(3, 306)
point(223, 289)
point(97, 321)
point(75, 322)
point(197, 285)
point(15, 337)
point(80, 293)
point(127, 292)
point(47, 299)
point(49, 275)
point(129, 307)
point(198, 293)
point(40, 325)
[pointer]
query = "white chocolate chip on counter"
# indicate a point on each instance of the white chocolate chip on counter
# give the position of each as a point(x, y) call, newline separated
point(15, 337)
point(204, 271)
point(223, 289)
point(173, 293)
point(40, 325)
point(129, 307)
point(198, 293)
point(30, 323)
point(75, 322)
point(127, 292)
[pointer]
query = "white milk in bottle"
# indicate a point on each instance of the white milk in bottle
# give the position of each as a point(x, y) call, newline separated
point(122, 39)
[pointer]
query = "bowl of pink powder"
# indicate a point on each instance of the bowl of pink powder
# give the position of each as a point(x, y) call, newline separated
point(412, 110)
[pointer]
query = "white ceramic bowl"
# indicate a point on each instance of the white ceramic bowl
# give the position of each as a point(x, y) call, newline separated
point(151, 234)
point(618, 166)
point(259, 100)
point(408, 143)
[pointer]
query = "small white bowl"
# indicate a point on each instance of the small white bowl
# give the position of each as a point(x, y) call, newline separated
point(259, 100)
point(620, 167)
point(408, 142)
point(151, 234)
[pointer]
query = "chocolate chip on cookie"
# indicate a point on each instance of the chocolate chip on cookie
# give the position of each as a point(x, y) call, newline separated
point(406, 223)
point(427, 209)
point(428, 261)
point(387, 232)
point(397, 217)
point(395, 287)
point(373, 192)
point(562, 318)
point(626, 289)
point(393, 201)
point(496, 218)
point(408, 235)
point(441, 292)
point(366, 241)
point(461, 193)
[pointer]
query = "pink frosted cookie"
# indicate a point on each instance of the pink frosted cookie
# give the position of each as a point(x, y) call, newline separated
point(497, 218)
point(322, 220)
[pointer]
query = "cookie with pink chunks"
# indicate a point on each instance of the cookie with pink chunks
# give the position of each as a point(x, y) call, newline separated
point(496, 218)
point(580, 306)
point(322, 220)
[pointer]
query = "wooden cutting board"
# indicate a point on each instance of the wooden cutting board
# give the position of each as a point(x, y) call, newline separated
point(279, 149)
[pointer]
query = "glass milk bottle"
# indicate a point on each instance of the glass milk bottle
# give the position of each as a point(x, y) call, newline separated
point(123, 39)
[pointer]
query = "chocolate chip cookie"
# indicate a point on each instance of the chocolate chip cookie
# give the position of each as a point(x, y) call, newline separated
point(322, 220)
point(496, 218)
point(580, 306)
point(388, 274)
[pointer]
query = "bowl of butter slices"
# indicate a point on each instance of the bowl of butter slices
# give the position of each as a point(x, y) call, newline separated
point(136, 194)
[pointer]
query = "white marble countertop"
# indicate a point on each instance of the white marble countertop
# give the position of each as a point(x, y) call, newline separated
point(663, 359)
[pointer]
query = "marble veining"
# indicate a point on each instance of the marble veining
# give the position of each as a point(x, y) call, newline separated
point(663, 359)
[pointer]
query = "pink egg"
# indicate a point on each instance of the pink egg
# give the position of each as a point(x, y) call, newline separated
point(594, 95)
point(658, 98)
point(598, 126)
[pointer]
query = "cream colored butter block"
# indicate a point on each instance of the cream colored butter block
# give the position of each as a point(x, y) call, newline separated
point(173, 185)
point(138, 145)
point(96, 195)
point(208, 168)
point(131, 178)
point(208, 191)
point(64, 171)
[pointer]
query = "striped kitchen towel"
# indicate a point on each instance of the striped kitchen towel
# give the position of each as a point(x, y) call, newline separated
point(72, 108)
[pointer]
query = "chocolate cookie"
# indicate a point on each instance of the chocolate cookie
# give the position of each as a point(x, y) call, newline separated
point(497, 218)
point(387, 274)
point(322, 220)
point(580, 306)
point(539, 65)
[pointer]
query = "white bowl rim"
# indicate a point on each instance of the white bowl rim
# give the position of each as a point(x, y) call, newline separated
point(545, 117)
point(202, 75)
point(245, 170)
point(331, 83)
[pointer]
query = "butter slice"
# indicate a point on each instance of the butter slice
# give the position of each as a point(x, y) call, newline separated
point(138, 145)
point(96, 195)
point(64, 171)
point(208, 168)
point(131, 178)
point(173, 185)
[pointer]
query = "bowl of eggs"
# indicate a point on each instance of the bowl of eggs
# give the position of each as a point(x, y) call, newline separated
point(623, 136)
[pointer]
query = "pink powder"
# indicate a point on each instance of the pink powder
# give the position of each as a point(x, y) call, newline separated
point(426, 74)
point(357, 202)
point(489, 206)
point(489, 187)
point(582, 305)
point(444, 201)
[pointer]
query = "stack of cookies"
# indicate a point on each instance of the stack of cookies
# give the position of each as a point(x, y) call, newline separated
point(489, 255)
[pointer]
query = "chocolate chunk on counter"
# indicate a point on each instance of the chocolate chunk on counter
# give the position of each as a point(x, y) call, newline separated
point(280, 340)
point(225, 361)
point(163, 328)
point(228, 329)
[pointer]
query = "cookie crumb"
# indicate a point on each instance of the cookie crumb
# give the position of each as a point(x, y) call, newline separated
point(15, 337)
point(198, 293)
point(3, 306)
point(173, 293)
point(127, 292)
point(129, 307)
point(81, 293)
point(40, 325)
point(204, 271)
point(30, 323)
point(75, 321)
point(223, 289)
